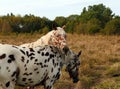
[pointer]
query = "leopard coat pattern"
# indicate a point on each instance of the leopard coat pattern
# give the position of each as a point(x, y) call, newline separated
point(34, 66)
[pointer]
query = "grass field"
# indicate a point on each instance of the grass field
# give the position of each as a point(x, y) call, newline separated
point(100, 60)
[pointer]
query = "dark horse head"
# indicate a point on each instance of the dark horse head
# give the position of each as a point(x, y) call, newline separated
point(72, 64)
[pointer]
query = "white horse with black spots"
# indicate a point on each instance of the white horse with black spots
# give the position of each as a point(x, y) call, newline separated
point(34, 66)
point(56, 37)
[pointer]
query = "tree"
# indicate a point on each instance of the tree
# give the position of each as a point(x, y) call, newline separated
point(60, 21)
point(6, 28)
point(112, 27)
point(71, 22)
point(93, 26)
point(80, 28)
point(1, 23)
point(44, 30)
point(100, 12)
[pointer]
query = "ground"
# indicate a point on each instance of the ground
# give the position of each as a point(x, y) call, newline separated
point(100, 60)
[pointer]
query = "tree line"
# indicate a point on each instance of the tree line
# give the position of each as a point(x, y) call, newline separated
point(96, 19)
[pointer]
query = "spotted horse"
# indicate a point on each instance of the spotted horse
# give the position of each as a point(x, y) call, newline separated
point(56, 37)
point(35, 66)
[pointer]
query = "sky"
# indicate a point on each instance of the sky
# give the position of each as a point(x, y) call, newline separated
point(53, 8)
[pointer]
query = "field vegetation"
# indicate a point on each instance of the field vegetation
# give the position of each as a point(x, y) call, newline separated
point(96, 19)
point(100, 60)
point(100, 44)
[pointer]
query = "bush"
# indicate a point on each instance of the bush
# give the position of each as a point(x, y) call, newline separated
point(112, 27)
point(93, 26)
point(44, 30)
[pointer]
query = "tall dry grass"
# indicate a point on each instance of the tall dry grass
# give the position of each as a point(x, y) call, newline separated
point(100, 60)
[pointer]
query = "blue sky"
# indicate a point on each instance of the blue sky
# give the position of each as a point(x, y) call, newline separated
point(53, 8)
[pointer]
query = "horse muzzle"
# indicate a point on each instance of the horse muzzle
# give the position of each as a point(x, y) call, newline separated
point(75, 80)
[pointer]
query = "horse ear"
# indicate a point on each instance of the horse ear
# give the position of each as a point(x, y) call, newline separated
point(54, 26)
point(79, 53)
point(63, 26)
point(65, 49)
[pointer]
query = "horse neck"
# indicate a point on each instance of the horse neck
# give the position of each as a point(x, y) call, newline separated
point(65, 58)
point(48, 35)
point(45, 39)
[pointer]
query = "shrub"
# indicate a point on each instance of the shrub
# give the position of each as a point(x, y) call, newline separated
point(112, 27)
